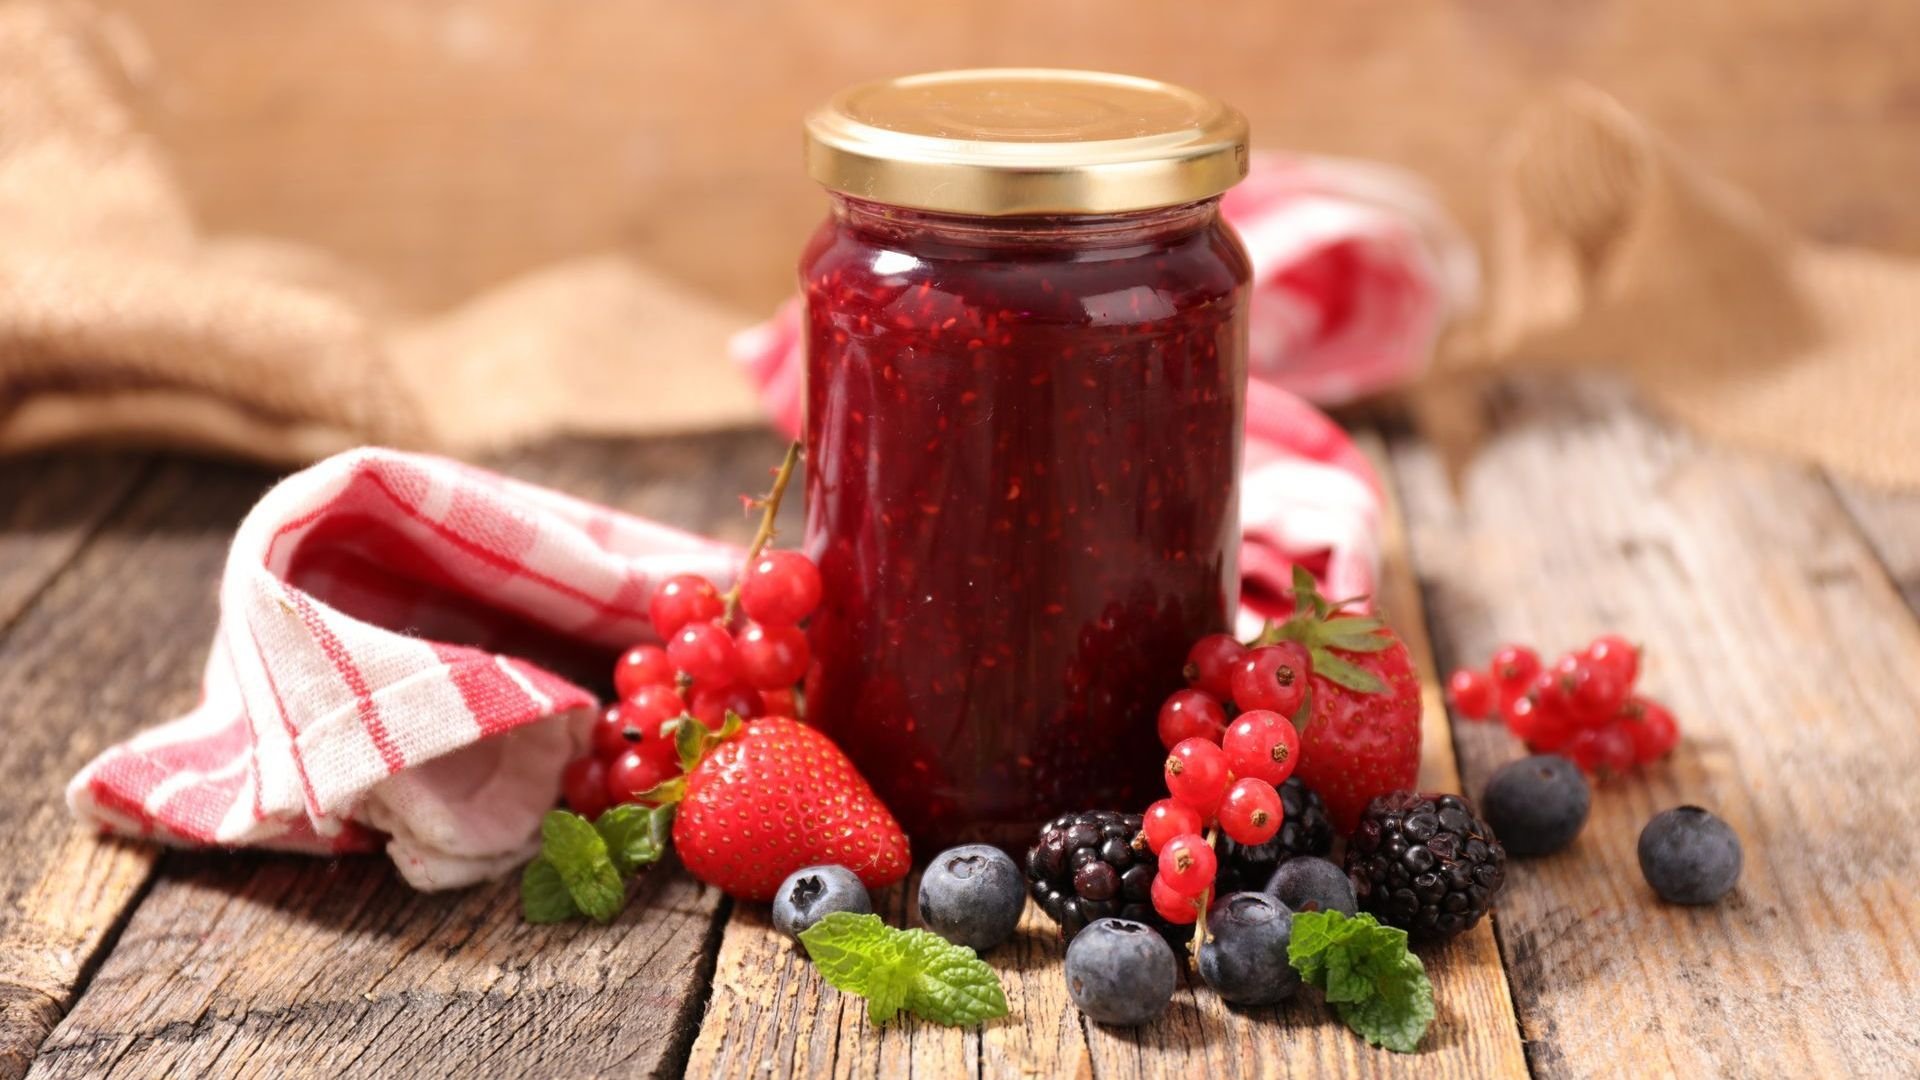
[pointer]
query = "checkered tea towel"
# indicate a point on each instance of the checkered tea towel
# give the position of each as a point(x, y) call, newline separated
point(335, 716)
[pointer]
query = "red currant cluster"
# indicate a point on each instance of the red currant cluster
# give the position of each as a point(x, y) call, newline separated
point(706, 670)
point(1582, 707)
point(1224, 674)
point(1222, 775)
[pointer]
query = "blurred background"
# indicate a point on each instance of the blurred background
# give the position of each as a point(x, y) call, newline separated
point(446, 146)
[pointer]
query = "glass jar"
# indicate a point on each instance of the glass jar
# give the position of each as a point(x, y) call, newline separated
point(1026, 390)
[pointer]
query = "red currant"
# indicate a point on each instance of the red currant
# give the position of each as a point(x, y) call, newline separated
point(636, 772)
point(1273, 677)
point(1473, 693)
point(652, 706)
point(1188, 865)
point(780, 588)
point(614, 734)
point(1553, 691)
point(1210, 664)
point(1262, 744)
point(583, 784)
point(1197, 775)
point(779, 703)
point(1514, 666)
point(711, 704)
point(1191, 714)
point(1607, 748)
point(1543, 727)
point(1251, 812)
point(772, 657)
point(1176, 909)
point(1616, 655)
point(1651, 727)
point(641, 666)
point(1167, 819)
point(706, 653)
point(683, 599)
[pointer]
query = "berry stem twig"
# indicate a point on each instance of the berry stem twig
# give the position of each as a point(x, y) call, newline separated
point(770, 505)
point(1205, 901)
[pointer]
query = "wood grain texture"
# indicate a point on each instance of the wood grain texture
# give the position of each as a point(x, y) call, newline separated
point(1891, 523)
point(1775, 635)
point(49, 506)
point(114, 642)
point(286, 965)
point(771, 1015)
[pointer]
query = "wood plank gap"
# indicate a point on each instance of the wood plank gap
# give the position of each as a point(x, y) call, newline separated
point(1890, 522)
point(93, 520)
point(693, 1010)
point(1440, 656)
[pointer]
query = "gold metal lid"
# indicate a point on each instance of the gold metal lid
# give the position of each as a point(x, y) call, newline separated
point(1026, 141)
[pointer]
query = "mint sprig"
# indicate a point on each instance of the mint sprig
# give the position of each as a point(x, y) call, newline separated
point(582, 867)
point(1378, 988)
point(904, 970)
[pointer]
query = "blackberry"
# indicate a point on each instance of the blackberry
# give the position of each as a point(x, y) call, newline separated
point(1425, 863)
point(1305, 829)
point(1086, 867)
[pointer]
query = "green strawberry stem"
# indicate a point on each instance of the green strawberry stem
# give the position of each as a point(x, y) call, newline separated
point(770, 509)
point(1325, 631)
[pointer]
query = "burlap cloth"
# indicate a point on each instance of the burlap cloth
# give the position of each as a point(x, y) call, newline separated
point(119, 322)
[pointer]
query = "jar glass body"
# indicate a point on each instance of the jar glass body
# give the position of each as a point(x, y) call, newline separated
point(1024, 439)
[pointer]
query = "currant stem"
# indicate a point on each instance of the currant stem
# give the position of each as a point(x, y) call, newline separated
point(764, 535)
point(1206, 901)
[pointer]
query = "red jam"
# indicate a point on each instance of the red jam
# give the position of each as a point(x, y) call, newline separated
point(1024, 446)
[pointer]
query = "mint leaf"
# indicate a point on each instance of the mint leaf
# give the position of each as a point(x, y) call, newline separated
point(543, 896)
point(635, 835)
point(953, 986)
point(909, 970)
point(580, 857)
point(1378, 988)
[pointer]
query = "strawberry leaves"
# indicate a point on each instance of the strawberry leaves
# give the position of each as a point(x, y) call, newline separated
point(1319, 625)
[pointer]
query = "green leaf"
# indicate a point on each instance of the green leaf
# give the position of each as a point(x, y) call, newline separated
point(953, 986)
point(909, 970)
point(580, 857)
point(690, 741)
point(543, 896)
point(1377, 987)
point(635, 835)
point(1347, 674)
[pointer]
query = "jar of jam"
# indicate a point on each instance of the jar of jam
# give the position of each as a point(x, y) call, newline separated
point(1026, 374)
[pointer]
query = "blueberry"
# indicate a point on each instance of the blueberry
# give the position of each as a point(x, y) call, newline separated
point(972, 895)
point(1121, 972)
point(1306, 883)
point(812, 894)
point(1537, 805)
point(1689, 856)
point(1245, 957)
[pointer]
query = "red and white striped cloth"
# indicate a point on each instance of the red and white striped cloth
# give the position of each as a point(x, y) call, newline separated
point(336, 715)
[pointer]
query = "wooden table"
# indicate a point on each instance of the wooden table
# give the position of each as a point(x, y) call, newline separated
point(1777, 605)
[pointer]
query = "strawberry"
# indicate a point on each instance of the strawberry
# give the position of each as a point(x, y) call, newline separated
point(1360, 725)
point(772, 796)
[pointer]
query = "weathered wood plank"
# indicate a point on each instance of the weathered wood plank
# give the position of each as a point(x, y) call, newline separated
point(280, 964)
point(1774, 634)
point(113, 642)
point(1891, 523)
point(49, 506)
point(771, 1015)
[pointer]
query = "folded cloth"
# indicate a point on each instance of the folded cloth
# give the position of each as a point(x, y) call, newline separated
point(391, 628)
point(1612, 249)
point(119, 322)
